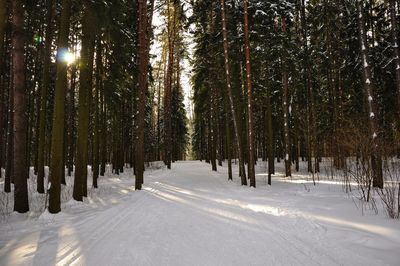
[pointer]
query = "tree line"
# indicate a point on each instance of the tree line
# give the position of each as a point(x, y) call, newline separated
point(296, 81)
point(77, 89)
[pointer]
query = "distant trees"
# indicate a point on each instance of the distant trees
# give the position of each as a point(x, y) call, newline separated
point(312, 50)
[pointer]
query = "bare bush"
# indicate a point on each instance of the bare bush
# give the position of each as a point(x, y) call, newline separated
point(390, 194)
point(358, 167)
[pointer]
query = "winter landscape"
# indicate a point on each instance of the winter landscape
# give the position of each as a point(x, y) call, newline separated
point(199, 132)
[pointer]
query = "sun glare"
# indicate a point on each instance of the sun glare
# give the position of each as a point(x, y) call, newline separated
point(67, 57)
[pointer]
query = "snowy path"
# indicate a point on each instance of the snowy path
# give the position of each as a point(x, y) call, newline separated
point(190, 216)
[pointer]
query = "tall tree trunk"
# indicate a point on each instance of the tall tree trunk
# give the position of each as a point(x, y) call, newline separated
point(270, 141)
point(369, 92)
point(285, 110)
point(212, 131)
point(21, 169)
point(57, 140)
point(311, 119)
point(285, 107)
point(43, 96)
point(96, 137)
point(144, 46)
point(228, 138)
point(71, 121)
point(171, 28)
point(103, 146)
point(85, 85)
point(231, 101)
point(3, 20)
point(251, 172)
point(396, 51)
point(9, 175)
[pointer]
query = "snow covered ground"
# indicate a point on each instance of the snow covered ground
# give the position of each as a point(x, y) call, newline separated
point(192, 216)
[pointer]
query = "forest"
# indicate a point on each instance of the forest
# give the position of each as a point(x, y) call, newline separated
point(91, 90)
point(322, 80)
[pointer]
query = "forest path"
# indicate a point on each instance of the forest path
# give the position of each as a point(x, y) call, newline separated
point(191, 216)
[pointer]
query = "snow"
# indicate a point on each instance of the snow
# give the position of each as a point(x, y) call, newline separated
point(192, 216)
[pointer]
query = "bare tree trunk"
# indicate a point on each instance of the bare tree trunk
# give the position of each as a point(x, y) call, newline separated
point(395, 34)
point(57, 141)
point(144, 44)
point(171, 27)
point(311, 119)
point(231, 101)
point(43, 96)
point(20, 163)
point(9, 175)
point(228, 138)
point(251, 171)
point(369, 92)
point(96, 137)
point(270, 145)
point(85, 85)
point(3, 20)
point(285, 107)
point(71, 120)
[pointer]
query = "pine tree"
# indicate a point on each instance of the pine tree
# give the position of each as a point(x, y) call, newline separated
point(230, 96)
point(57, 169)
point(251, 152)
point(20, 160)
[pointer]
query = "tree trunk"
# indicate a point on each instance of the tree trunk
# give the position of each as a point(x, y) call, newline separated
point(369, 92)
point(20, 163)
point(103, 146)
point(270, 145)
point(212, 129)
point(251, 171)
point(57, 140)
point(43, 96)
point(231, 101)
point(10, 142)
point(285, 107)
point(96, 138)
point(71, 121)
point(3, 21)
point(228, 138)
point(171, 28)
point(396, 51)
point(85, 82)
point(144, 45)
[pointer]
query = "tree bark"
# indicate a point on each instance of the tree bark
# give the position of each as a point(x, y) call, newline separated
point(251, 171)
point(20, 163)
point(3, 20)
point(231, 101)
point(96, 137)
point(369, 92)
point(285, 107)
point(57, 140)
point(396, 51)
point(144, 46)
point(85, 82)
point(171, 28)
point(43, 96)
